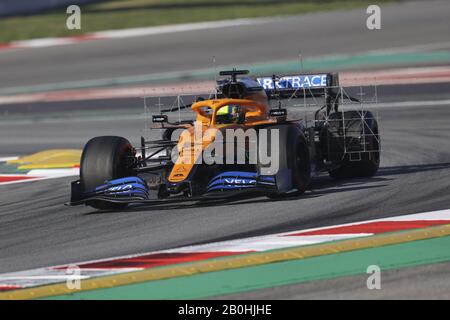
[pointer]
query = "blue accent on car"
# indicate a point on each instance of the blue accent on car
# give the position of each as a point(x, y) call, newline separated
point(239, 180)
point(230, 187)
point(123, 187)
point(295, 81)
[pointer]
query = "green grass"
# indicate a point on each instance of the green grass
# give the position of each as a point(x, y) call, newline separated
point(121, 14)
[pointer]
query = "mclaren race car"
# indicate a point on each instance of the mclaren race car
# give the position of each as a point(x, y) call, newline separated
point(242, 141)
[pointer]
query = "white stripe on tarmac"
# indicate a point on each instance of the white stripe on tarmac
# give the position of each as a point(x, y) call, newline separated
point(5, 159)
point(283, 240)
point(42, 42)
point(136, 32)
point(264, 243)
point(54, 173)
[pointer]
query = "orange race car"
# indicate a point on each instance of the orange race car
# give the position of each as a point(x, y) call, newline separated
point(238, 144)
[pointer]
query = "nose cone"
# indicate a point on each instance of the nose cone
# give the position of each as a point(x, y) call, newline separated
point(179, 172)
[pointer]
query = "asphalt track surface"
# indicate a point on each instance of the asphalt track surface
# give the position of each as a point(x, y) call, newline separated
point(36, 230)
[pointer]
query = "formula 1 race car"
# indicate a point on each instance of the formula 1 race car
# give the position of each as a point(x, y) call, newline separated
point(238, 144)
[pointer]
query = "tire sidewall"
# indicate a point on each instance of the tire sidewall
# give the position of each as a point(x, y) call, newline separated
point(103, 159)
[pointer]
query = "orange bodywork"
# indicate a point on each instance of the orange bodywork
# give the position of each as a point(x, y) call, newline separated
point(205, 128)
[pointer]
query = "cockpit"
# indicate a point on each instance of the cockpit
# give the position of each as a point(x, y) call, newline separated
point(229, 114)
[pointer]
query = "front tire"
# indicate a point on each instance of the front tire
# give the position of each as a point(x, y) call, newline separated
point(293, 155)
point(103, 159)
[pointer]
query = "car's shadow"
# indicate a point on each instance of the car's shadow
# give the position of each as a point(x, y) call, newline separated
point(319, 186)
point(398, 170)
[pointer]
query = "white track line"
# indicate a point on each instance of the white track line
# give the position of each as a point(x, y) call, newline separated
point(5, 159)
point(146, 31)
point(134, 32)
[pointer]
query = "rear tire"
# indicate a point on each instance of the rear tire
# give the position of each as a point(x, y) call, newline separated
point(369, 163)
point(103, 159)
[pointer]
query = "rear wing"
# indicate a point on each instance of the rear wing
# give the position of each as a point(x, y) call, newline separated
point(300, 85)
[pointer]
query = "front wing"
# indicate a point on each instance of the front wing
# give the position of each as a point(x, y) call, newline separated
point(135, 190)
